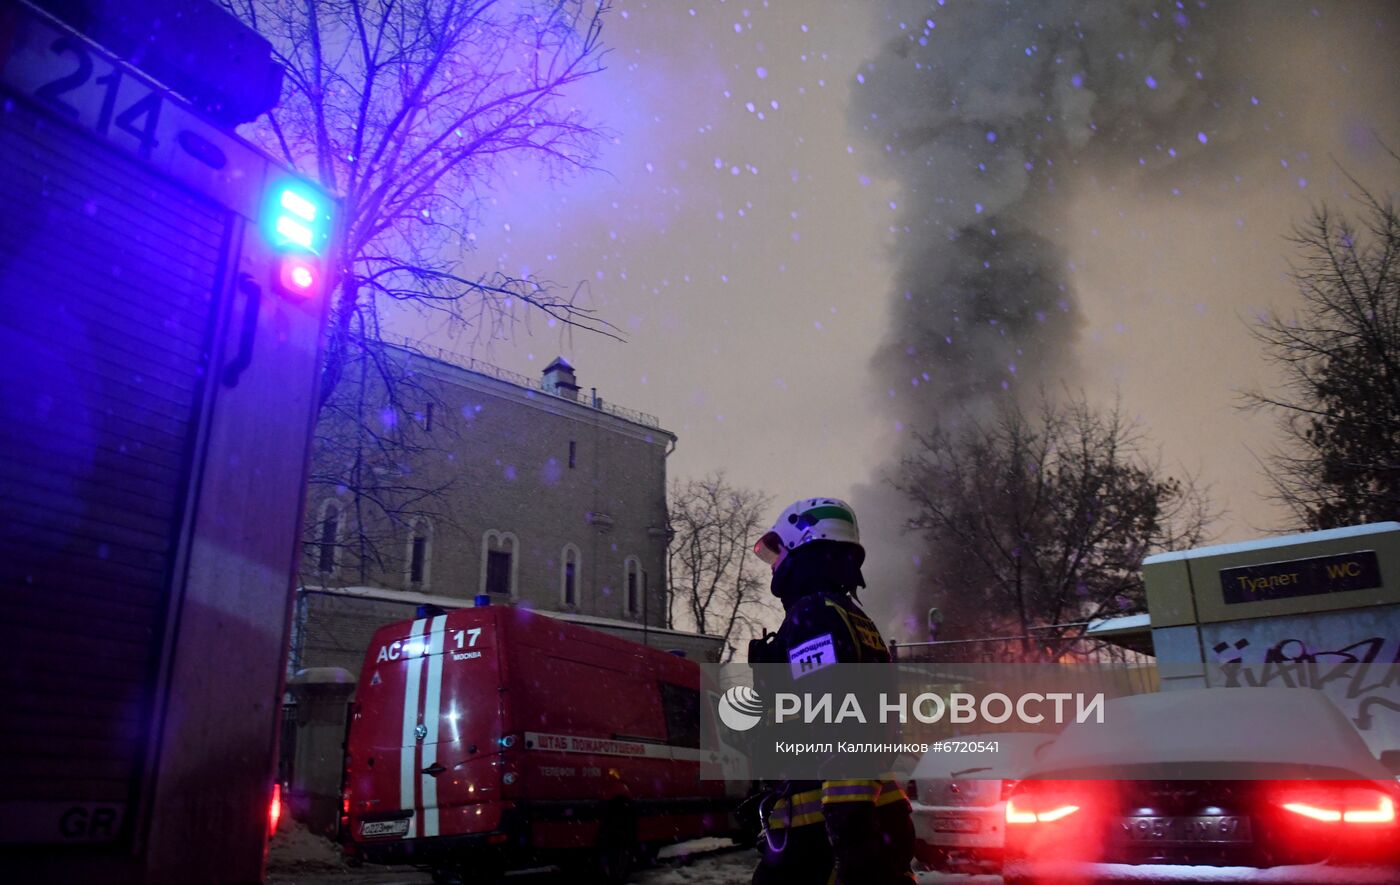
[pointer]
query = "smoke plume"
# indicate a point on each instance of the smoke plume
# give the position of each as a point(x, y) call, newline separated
point(989, 115)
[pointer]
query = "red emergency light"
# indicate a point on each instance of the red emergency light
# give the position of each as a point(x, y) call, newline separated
point(274, 810)
point(299, 275)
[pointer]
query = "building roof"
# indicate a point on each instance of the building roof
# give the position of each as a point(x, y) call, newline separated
point(1110, 626)
point(529, 389)
point(1350, 531)
point(558, 363)
point(1133, 632)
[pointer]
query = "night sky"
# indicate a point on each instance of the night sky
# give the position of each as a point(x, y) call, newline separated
point(821, 225)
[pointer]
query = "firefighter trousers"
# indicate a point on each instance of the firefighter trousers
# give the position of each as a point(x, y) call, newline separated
point(874, 832)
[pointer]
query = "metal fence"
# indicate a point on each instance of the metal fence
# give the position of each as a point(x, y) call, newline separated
point(1041, 649)
point(1124, 670)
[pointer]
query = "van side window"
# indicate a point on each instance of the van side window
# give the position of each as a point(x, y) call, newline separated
point(681, 706)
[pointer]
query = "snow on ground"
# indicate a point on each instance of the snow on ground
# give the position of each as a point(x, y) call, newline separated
point(1161, 874)
point(297, 857)
point(295, 847)
point(726, 868)
point(682, 850)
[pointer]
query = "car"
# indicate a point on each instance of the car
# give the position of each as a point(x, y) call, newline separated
point(1206, 785)
point(958, 791)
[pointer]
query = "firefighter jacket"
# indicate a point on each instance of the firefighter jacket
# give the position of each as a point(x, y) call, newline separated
point(862, 827)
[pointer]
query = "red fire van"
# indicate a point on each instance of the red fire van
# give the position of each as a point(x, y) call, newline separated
point(491, 737)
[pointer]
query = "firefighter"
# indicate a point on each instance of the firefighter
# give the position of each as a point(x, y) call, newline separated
point(848, 831)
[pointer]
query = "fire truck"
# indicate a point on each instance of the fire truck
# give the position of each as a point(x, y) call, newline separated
point(161, 302)
point(492, 737)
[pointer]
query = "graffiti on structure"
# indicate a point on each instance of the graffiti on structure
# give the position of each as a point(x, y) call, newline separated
point(1354, 660)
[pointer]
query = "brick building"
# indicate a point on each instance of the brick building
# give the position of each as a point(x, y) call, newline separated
point(542, 497)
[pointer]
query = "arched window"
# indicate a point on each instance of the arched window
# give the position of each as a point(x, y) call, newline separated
point(633, 584)
point(569, 571)
point(498, 563)
point(418, 557)
point(330, 532)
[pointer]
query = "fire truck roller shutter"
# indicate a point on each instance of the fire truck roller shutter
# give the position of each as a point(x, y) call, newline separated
point(109, 278)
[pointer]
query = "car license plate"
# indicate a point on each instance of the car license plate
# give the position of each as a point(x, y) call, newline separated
point(1209, 828)
point(953, 823)
point(372, 828)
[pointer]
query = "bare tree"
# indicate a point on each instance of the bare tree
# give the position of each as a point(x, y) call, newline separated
point(1339, 354)
point(409, 110)
point(1039, 521)
point(372, 454)
point(717, 586)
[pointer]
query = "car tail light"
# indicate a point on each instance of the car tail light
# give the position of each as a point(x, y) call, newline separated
point(1007, 787)
point(1382, 813)
point(1341, 805)
point(1043, 814)
point(1056, 813)
point(1304, 809)
point(274, 810)
point(1044, 802)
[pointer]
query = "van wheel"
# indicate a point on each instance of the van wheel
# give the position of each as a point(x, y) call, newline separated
point(615, 851)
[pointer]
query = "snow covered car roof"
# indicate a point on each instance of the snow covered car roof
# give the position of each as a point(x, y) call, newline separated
point(1234, 733)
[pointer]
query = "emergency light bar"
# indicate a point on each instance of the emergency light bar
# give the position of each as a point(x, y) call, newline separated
point(297, 224)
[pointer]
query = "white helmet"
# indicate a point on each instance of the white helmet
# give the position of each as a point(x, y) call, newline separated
point(811, 519)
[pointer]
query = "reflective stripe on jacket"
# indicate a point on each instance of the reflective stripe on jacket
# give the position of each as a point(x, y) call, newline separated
point(805, 808)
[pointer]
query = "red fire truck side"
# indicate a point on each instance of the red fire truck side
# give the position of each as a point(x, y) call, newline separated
point(161, 307)
point(493, 736)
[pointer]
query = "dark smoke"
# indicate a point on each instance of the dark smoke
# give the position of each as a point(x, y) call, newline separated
point(988, 115)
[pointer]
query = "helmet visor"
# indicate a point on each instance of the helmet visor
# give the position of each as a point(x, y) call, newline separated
point(769, 548)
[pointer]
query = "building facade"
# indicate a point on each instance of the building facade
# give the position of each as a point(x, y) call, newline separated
point(516, 489)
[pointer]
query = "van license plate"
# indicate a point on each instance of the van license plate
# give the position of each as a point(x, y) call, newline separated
point(371, 828)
